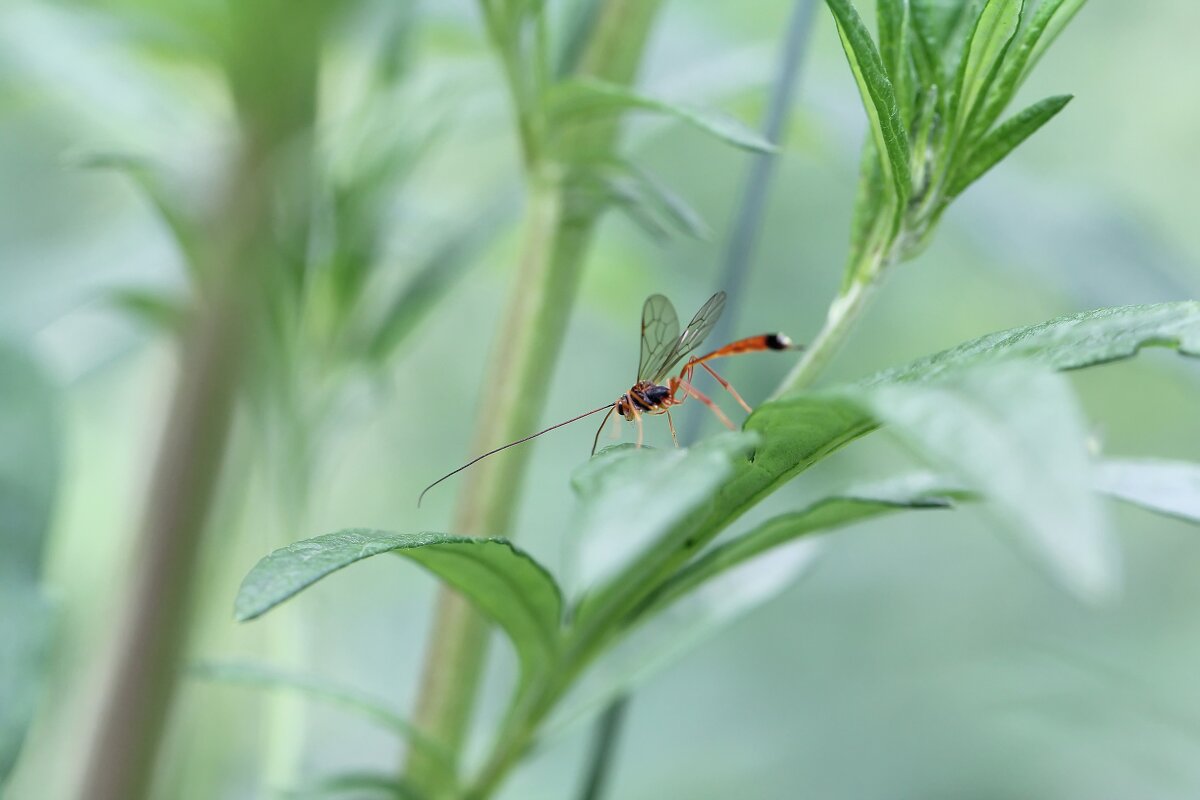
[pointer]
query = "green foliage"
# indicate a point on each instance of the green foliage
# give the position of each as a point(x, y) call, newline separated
point(28, 479)
point(577, 100)
point(964, 409)
point(933, 90)
point(1165, 487)
point(512, 589)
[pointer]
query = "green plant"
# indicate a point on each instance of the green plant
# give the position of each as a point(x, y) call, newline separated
point(933, 88)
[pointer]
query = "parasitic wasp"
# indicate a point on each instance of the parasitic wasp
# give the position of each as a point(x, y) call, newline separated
point(663, 348)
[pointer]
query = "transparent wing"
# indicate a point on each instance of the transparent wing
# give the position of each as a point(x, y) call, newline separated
point(660, 334)
point(691, 338)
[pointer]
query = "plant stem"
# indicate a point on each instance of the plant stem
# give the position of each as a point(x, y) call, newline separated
point(603, 750)
point(839, 320)
point(559, 227)
point(153, 632)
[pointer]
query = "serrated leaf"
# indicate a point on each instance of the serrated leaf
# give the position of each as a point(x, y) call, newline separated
point(692, 606)
point(581, 98)
point(503, 582)
point(994, 30)
point(1163, 486)
point(1015, 434)
point(878, 97)
point(372, 708)
point(29, 469)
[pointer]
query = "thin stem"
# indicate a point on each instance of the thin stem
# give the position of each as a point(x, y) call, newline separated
point(603, 750)
point(558, 234)
point(839, 321)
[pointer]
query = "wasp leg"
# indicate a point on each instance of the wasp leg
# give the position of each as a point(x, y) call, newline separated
point(703, 398)
point(638, 419)
point(724, 383)
point(671, 425)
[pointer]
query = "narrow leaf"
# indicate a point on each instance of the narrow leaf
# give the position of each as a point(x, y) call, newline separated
point(29, 474)
point(503, 582)
point(994, 29)
point(878, 96)
point(1016, 63)
point(1165, 487)
point(1002, 141)
point(581, 98)
point(357, 785)
point(157, 310)
point(372, 708)
point(1016, 435)
point(917, 491)
point(728, 582)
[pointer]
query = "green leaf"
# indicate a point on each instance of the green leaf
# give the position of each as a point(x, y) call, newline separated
point(1061, 14)
point(448, 262)
point(691, 606)
point(894, 52)
point(580, 98)
point(628, 526)
point(29, 470)
point(148, 178)
point(1014, 434)
point(503, 582)
point(800, 429)
point(879, 99)
point(157, 310)
point(1019, 60)
point(1002, 141)
point(1165, 487)
point(986, 48)
point(358, 785)
point(360, 703)
point(917, 491)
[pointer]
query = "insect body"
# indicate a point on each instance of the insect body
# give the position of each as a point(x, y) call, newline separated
point(657, 391)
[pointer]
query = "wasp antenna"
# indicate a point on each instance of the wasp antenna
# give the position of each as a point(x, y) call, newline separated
point(477, 459)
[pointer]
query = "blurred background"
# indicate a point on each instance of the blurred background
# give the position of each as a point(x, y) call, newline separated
point(918, 657)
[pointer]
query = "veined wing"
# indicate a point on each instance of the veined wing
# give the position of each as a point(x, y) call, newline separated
point(691, 338)
point(660, 334)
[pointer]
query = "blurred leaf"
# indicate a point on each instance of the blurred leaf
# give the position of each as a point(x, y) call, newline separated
point(29, 468)
point(878, 97)
point(729, 580)
point(1018, 60)
point(917, 491)
point(360, 784)
point(650, 203)
point(160, 311)
point(868, 201)
point(445, 265)
point(994, 29)
point(627, 526)
point(504, 583)
point(1162, 486)
point(1015, 434)
point(580, 98)
point(1003, 141)
point(148, 178)
point(352, 700)
point(581, 18)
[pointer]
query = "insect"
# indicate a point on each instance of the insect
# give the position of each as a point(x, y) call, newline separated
point(663, 348)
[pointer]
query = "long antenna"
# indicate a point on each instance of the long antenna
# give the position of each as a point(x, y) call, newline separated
point(505, 447)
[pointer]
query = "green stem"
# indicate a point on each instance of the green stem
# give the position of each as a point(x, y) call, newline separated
point(560, 222)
